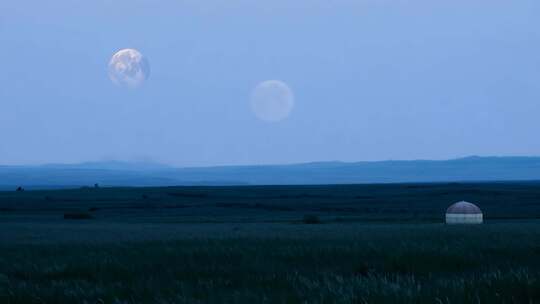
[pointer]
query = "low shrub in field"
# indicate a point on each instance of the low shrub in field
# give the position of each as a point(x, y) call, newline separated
point(311, 219)
point(77, 216)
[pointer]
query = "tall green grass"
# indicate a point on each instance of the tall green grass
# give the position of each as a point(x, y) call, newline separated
point(496, 263)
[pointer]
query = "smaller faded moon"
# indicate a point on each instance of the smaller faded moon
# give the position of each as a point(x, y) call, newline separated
point(272, 100)
point(128, 68)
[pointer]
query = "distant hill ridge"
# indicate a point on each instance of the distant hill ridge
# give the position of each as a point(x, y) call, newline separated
point(118, 173)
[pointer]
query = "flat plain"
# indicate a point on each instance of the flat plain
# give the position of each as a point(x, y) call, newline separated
point(275, 244)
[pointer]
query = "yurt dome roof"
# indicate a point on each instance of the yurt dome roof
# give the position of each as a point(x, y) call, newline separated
point(463, 208)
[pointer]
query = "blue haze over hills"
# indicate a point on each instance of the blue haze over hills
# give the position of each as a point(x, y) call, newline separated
point(149, 174)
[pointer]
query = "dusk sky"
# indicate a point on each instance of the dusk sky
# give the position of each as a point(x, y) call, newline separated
point(371, 79)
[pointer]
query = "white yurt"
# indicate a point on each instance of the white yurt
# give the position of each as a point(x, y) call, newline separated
point(464, 213)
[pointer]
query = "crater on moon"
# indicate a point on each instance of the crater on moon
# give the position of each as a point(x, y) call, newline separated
point(128, 68)
point(272, 100)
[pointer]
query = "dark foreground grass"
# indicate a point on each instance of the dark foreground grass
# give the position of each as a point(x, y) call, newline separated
point(494, 263)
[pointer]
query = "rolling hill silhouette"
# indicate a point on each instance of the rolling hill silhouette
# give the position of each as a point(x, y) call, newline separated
point(117, 173)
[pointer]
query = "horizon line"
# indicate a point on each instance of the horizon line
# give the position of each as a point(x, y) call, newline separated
point(165, 165)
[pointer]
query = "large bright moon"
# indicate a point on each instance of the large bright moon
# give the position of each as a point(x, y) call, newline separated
point(129, 68)
point(272, 100)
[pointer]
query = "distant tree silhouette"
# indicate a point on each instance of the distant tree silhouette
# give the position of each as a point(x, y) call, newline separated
point(311, 219)
point(77, 216)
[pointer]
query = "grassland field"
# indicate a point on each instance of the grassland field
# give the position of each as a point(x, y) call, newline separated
point(372, 244)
